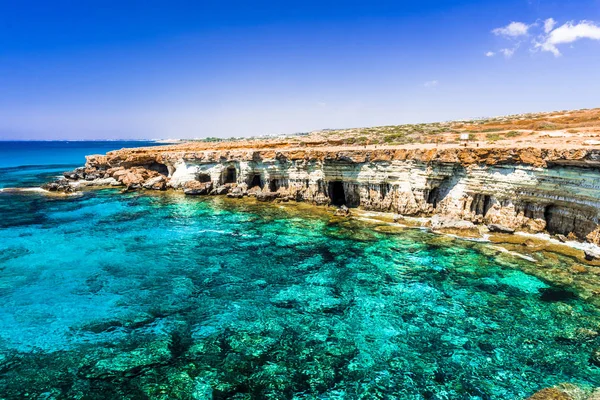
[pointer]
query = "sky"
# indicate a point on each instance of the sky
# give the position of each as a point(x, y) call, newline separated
point(73, 70)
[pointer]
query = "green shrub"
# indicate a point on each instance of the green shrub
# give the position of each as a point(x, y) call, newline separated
point(492, 137)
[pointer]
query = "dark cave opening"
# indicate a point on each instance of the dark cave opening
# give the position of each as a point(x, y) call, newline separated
point(273, 185)
point(385, 189)
point(230, 175)
point(158, 167)
point(433, 196)
point(487, 204)
point(481, 204)
point(550, 217)
point(256, 181)
point(560, 221)
point(336, 193)
point(204, 178)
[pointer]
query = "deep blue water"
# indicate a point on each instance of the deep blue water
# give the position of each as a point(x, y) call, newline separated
point(30, 163)
point(108, 296)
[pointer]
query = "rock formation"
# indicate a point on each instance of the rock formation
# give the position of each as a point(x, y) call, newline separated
point(527, 189)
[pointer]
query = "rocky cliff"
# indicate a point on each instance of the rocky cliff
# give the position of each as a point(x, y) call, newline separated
point(530, 189)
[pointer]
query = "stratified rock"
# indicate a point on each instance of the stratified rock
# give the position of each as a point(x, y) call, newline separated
point(509, 187)
point(497, 228)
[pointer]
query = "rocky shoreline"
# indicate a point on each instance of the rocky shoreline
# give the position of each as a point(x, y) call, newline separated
point(524, 189)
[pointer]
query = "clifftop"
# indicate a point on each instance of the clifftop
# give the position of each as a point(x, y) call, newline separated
point(534, 139)
point(534, 156)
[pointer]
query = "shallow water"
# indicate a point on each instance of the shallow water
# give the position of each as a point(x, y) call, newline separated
point(112, 295)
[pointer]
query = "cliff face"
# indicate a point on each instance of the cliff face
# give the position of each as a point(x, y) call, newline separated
point(526, 189)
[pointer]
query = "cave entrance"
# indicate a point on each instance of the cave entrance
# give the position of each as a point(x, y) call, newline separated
point(433, 196)
point(384, 189)
point(255, 181)
point(230, 175)
point(273, 185)
point(158, 167)
point(481, 204)
point(336, 193)
point(204, 178)
point(556, 222)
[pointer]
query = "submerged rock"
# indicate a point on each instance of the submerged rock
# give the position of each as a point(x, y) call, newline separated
point(556, 294)
point(550, 394)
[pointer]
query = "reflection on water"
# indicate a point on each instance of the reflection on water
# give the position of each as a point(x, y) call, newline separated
point(131, 296)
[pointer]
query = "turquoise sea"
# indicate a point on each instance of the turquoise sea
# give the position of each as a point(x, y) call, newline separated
point(158, 296)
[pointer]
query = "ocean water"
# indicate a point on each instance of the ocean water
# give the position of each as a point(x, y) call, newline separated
point(157, 296)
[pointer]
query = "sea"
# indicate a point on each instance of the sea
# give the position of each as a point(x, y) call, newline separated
point(110, 295)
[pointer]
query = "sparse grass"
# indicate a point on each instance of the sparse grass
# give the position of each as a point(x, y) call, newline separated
point(490, 129)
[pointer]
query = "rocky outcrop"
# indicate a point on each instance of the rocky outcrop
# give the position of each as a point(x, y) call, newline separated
point(527, 189)
point(195, 188)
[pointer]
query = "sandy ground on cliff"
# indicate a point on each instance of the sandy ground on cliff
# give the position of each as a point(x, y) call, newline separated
point(552, 130)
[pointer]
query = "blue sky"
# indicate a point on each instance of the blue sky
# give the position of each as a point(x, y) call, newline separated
point(150, 69)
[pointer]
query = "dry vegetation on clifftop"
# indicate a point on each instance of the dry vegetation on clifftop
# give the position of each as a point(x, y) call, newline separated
point(550, 129)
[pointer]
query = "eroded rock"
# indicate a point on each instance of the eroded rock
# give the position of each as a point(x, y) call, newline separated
point(221, 190)
point(507, 189)
point(267, 196)
point(156, 183)
point(60, 185)
point(497, 228)
point(195, 188)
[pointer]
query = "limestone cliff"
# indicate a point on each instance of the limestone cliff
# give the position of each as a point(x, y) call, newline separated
point(531, 189)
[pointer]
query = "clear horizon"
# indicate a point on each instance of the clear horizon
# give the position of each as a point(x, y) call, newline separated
point(229, 69)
